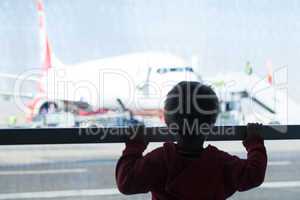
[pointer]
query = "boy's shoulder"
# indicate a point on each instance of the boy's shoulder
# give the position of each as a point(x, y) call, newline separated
point(168, 150)
point(216, 150)
point(167, 155)
point(171, 146)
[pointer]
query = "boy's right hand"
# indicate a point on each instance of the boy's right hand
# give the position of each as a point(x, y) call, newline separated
point(136, 134)
point(253, 134)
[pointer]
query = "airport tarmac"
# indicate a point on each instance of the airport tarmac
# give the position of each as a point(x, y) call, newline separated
point(87, 171)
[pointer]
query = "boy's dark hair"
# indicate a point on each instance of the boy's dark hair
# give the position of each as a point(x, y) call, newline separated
point(189, 106)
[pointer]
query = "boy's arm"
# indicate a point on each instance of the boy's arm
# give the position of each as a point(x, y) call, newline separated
point(136, 173)
point(244, 174)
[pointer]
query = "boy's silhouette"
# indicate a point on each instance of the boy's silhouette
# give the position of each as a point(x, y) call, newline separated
point(186, 170)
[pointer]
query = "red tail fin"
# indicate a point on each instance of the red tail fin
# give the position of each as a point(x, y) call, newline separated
point(45, 46)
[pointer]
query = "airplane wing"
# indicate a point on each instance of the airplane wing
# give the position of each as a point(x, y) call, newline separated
point(12, 94)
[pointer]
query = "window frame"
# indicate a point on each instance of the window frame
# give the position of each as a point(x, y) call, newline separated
point(118, 135)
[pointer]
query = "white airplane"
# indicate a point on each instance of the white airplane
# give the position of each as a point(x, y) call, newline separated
point(139, 80)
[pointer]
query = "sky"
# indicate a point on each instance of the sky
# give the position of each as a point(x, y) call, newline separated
point(223, 35)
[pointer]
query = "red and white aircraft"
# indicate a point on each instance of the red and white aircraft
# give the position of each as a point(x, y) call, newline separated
point(139, 80)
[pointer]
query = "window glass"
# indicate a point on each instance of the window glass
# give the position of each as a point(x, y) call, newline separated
point(63, 62)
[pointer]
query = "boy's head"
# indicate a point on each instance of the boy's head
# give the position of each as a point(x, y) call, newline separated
point(191, 107)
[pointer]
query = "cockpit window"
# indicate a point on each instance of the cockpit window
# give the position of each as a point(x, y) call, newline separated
point(174, 69)
point(189, 69)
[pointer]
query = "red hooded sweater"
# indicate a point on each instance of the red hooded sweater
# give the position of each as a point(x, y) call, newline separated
point(214, 175)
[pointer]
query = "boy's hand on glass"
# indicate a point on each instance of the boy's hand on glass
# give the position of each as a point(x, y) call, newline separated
point(137, 134)
point(253, 134)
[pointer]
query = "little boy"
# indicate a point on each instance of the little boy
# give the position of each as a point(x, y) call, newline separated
point(187, 170)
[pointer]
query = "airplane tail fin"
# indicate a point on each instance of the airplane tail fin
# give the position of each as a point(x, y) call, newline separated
point(47, 57)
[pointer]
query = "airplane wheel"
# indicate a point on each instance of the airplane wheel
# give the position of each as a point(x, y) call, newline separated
point(49, 107)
